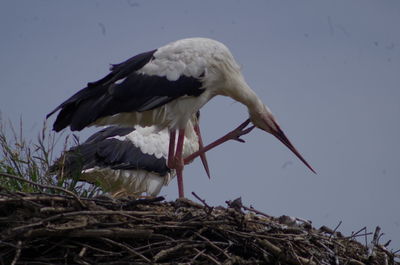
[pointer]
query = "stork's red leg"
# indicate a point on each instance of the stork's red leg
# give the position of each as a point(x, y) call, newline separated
point(201, 146)
point(171, 149)
point(179, 162)
point(232, 135)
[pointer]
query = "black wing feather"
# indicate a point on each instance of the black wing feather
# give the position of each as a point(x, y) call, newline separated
point(98, 150)
point(123, 155)
point(138, 92)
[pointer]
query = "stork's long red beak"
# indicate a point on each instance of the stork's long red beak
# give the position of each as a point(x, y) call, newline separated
point(278, 133)
point(202, 155)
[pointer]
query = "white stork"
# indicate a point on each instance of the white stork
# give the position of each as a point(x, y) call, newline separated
point(165, 87)
point(126, 160)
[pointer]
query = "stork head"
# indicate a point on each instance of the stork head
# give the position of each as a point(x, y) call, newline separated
point(263, 119)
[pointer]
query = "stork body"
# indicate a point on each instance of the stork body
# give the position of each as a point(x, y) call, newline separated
point(125, 160)
point(165, 87)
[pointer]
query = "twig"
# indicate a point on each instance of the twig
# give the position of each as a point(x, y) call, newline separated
point(77, 213)
point(92, 233)
point(208, 207)
point(365, 234)
point(143, 201)
point(44, 186)
point(295, 257)
point(80, 261)
point(196, 256)
point(355, 262)
point(270, 247)
point(46, 197)
point(17, 253)
point(16, 197)
point(334, 230)
point(82, 252)
point(318, 243)
point(108, 253)
point(70, 214)
point(55, 209)
point(208, 257)
point(166, 252)
point(375, 238)
point(130, 250)
point(213, 245)
point(354, 234)
point(277, 252)
point(375, 241)
point(251, 209)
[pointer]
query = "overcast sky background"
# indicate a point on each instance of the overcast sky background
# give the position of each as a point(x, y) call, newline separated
point(329, 70)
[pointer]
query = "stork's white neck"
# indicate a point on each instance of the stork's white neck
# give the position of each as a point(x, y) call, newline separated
point(240, 91)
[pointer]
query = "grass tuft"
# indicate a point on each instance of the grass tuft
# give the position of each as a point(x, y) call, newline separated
point(31, 160)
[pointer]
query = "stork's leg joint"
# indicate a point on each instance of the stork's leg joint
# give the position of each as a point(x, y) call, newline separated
point(235, 134)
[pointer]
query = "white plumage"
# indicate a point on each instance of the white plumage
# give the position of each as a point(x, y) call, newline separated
point(203, 59)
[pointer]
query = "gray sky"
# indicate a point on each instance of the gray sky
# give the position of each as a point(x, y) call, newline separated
point(329, 70)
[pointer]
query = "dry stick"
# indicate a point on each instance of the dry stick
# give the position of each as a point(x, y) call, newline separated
point(17, 253)
point(355, 262)
point(105, 212)
point(251, 209)
point(213, 245)
point(365, 234)
point(130, 250)
point(334, 230)
point(82, 252)
point(69, 214)
point(207, 256)
point(295, 256)
point(35, 198)
point(152, 245)
point(92, 233)
point(204, 202)
point(16, 197)
point(45, 186)
point(165, 252)
point(353, 235)
point(143, 201)
point(325, 247)
point(379, 237)
point(375, 238)
point(55, 209)
point(387, 243)
point(82, 262)
point(196, 256)
point(95, 249)
point(277, 252)
point(179, 244)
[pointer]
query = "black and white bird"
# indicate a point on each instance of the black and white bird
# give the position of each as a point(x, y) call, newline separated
point(126, 161)
point(165, 87)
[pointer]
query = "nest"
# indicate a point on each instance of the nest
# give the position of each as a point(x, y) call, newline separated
point(43, 228)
